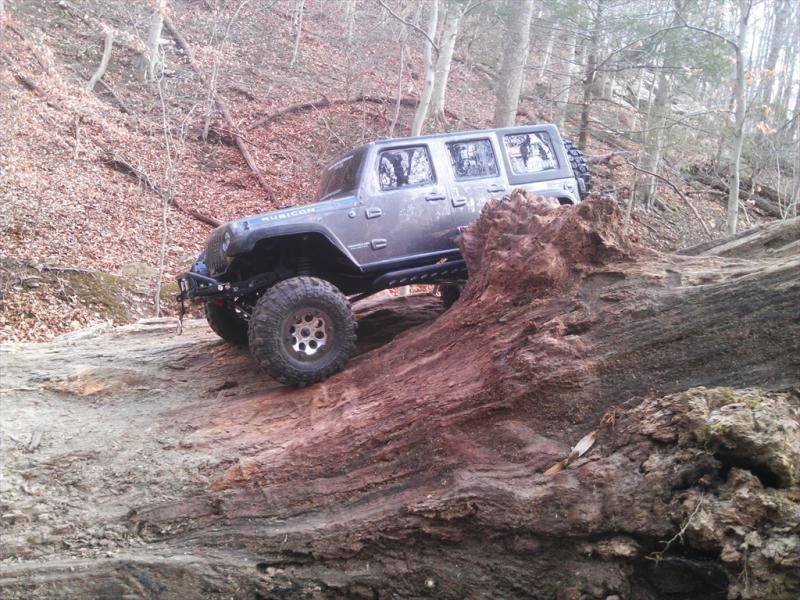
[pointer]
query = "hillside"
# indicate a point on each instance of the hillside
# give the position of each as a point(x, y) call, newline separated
point(70, 201)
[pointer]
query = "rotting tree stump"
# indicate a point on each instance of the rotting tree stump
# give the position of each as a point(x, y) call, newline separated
point(418, 472)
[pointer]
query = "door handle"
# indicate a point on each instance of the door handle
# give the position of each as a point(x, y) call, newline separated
point(435, 196)
point(496, 188)
point(373, 212)
point(459, 201)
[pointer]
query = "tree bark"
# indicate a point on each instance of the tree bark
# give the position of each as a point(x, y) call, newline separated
point(739, 118)
point(299, 10)
point(590, 73)
point(108, 44)
point(419, 470)
point(444, 60)
point(782, 18)
point(151, 57)
point(515, 57)
point(430, 74)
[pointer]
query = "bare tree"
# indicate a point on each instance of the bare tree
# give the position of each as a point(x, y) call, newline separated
point(101, 69)
point(298, 32)
point(173, 147)
point(151, 57)
point(447, 44)
point(591, 70)
point(211, 94)
point(430, 70)
point(515, 56)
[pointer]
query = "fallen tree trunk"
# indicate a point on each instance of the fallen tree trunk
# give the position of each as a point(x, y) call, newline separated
point(765, 198)
point(327, 103)
point(419, 470)
point(123, 166)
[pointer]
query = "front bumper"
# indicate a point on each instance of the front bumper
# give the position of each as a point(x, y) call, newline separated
point(195, 285)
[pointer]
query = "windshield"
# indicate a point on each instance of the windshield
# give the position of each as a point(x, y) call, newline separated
point(341, 176)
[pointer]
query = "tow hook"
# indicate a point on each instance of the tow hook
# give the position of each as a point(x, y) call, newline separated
point(181, 314)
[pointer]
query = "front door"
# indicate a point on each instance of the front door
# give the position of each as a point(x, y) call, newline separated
point(405, 207)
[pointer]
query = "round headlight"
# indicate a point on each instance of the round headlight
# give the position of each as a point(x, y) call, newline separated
point(226, 242)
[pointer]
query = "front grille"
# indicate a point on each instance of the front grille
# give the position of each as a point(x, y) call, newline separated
point(214, 259)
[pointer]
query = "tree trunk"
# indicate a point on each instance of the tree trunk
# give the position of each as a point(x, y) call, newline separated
point(298, 20)
point(108, 44)
point(430, 73)
point(444, 60)
point(515, 57)
point(738, 127)
point(657, 115)
point(419, 470)
point(152, 56)
point(590, 73)
point(571, 73)
point(782, 18)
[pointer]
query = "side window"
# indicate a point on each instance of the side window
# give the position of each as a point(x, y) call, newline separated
point(472, 159)
point(530, 152)
point(405, 167)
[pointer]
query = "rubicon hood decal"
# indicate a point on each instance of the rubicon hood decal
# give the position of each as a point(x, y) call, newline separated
point(288, 214)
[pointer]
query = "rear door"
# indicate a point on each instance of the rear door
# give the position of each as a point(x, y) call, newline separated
point(476, 175)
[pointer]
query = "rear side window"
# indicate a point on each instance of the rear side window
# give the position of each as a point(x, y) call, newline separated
point(472, 159)
point(530, 152)
point(405, 167)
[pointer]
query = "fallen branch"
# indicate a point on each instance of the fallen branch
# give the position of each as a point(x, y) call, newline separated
point(122, 106)
point(677, 191)
point(327, 103)
point(220, 102)
point(108, 44)
point(123, 166)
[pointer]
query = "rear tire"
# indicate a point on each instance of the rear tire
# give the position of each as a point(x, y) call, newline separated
point(579, 168)
point(302, 331)
point(450, 293)
point(222, 318)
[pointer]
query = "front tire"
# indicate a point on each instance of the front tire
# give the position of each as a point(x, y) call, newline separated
point(222, 318)
point(302, 331)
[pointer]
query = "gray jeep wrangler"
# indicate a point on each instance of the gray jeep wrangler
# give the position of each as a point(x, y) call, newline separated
point(385, 216)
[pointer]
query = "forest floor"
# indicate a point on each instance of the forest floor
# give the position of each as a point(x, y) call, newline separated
point(81, 239)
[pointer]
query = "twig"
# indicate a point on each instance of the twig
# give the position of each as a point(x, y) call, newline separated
point(78, 120)
point(223, 108)
point(678, 536)
point(410, 24)
point(677, 191)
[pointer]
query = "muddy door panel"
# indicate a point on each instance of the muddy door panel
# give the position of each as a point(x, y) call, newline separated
point(476, 175)
point(405, 208)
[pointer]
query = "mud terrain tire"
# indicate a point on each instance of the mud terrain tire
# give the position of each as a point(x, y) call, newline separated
point(579, 167)
point(302, 331)
point(226, 323)
point(449, 293)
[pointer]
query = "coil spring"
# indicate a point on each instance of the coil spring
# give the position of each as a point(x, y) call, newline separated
point(303, 265)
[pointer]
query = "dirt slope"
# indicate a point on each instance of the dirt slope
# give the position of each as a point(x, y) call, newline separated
point(419, 470)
